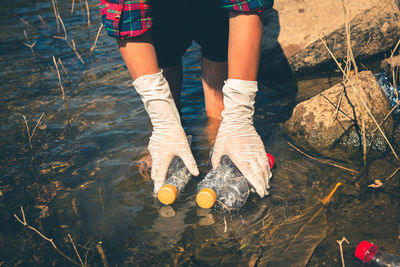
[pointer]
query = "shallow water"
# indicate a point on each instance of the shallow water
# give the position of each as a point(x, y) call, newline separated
point(82, 179)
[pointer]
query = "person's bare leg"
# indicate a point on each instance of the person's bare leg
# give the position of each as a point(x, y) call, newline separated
point(139, 55)
point(174, 77)
point(213, 76)
point(140, 58)
point(245, 34)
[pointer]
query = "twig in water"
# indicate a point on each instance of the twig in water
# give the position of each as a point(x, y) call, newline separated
point(356, 91)
point(344, 239)
point(72, 6)
point(324, 202)
point(33, 132)
point(26, 23)
point(56, 14)
point(83, 11)
point(65, 38)
point(97, 37)
point(329, 197)
point(76, 251)
point(42, 20)
point(101, 198)
point(322, 161)
point(383, 121)
point(102, 254)
point(76, 52)
point(62, 91)
point(64, 69)
point(88, 18)
point(50, 240)
point(225, 224)
point(390, 177)
point(33, 52)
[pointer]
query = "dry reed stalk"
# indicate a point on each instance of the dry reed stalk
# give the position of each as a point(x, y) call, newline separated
point(88, 17)
point(56, 15)
point(351, 61)
point(50, 240)
point(355, 91)
point(62, 91)
point(33, 52)
point(64, 69)
point(76, 251)
point(30, 136)
point(322, 161)
point(340, 242)
point(42, 20)
point(72, 6)
point(383, 121)
point(26, 23)
point(338, 105)
point(83, 11)
point(71, 44)
point(76, 52)
point(364, 137)
point(97, 37)
point(394, 69)
point(102, 254)
point(348, 38)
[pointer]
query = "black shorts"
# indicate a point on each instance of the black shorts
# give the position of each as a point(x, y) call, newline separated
point(177, 23)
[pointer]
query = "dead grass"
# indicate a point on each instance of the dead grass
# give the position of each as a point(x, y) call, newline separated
point(362, 105)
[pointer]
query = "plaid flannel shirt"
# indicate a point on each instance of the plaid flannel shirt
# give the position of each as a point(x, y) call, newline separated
point(131, 18)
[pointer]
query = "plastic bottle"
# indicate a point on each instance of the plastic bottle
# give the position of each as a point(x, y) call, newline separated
point(371, 255)
point(178, 176)
point(227, 184)
point(391, 92)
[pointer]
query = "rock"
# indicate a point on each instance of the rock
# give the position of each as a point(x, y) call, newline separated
point(373, 32)
point(290, 38)
point(314, 126)
point(391, 65)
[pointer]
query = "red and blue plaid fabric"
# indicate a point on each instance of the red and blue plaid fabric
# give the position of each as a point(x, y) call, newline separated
point(243, 5)
point(131, 18)
point(125, 18)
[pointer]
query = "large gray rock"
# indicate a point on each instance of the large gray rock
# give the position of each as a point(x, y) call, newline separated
point(314, 126)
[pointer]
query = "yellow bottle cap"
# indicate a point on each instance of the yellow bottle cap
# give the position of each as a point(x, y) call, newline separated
point(167, 194)
point(206, 198)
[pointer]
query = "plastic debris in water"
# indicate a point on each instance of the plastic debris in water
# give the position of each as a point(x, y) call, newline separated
point(391, 92)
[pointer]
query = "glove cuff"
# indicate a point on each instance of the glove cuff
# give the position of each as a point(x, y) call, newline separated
point(157, 99)
point(239, 98)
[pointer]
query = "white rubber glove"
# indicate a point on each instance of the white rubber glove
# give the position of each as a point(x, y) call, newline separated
point(168, 138)
point(237, 137)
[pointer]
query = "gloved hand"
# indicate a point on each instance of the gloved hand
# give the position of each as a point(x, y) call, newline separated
point(168, 138)
point(237, 137)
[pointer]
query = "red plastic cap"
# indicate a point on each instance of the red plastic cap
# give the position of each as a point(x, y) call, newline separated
point(362, 249)
point(271, 160)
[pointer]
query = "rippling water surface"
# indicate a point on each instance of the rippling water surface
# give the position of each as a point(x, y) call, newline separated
point(83, 179)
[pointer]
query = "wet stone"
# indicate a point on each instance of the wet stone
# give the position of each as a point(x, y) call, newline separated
point(335, 131)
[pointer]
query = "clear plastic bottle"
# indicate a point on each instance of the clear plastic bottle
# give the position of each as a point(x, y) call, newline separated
point(177, 177)
point(391, 92)
point(371, 255)
point(227, 184)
